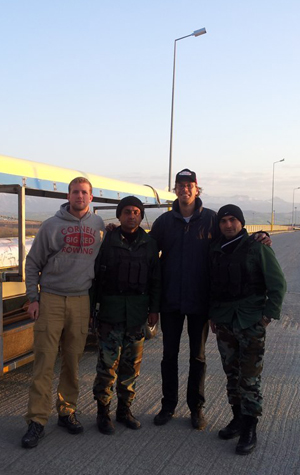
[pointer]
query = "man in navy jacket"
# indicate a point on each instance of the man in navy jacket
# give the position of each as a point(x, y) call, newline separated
point(183, 236)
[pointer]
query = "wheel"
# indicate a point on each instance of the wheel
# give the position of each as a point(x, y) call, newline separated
point(150, 331)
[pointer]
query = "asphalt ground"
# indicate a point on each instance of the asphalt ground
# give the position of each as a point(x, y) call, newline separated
point(175, 448)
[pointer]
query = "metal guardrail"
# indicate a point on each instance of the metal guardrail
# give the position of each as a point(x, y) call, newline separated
point(253, 228)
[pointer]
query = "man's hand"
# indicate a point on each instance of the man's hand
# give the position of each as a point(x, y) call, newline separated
point(110, 227)
point(152, 319)
point(263, 238)
point(34, 310)
point(213, 326)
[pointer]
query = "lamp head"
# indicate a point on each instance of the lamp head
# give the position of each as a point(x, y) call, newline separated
point(202, 31)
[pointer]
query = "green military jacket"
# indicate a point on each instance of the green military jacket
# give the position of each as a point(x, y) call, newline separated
point(261, 267)
point(129, 305)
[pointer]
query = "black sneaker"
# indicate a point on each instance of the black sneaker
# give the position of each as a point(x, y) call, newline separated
point(163, 417)
point(70, 423)
point(33, 435)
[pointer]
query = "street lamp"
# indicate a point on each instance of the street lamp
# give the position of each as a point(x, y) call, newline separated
point(272, 211)
point(196, 33)
point(298, 188)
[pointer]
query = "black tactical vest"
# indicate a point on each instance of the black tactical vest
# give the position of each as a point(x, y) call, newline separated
point(231, 278)
point(125, 271)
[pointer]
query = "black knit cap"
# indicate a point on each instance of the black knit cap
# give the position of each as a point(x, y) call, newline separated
point(130, 201)
point(231, 210)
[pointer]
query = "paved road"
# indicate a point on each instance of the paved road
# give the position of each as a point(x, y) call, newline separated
point(175, 448)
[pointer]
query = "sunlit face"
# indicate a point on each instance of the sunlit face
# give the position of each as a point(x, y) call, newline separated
point(130, 219)
point(79, 198)
point(186, 192)
point(230, 226)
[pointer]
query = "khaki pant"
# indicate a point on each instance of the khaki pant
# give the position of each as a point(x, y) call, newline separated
point(63, 322)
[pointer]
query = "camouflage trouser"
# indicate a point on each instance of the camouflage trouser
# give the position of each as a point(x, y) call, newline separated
point(119, 358)
point(242, 354)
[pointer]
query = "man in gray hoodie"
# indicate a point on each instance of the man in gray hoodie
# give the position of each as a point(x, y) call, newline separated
point(59, 273)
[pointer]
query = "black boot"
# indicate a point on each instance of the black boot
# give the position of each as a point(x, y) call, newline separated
point(233, 429)
point(71, 423)
point(247, 441)
point(125, 417)
point(104, 421)
point(34, 433)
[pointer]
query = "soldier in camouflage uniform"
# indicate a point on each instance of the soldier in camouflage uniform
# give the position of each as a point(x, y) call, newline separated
point(128, 285)
point(247, 290)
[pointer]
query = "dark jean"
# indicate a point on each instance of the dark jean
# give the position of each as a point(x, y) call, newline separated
point(172, 325)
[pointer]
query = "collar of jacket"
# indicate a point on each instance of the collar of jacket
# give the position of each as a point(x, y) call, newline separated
point(245, 236)
point(119, 240)
point(197, 211)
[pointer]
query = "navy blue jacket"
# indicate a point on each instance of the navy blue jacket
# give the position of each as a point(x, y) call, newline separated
point(185, 258)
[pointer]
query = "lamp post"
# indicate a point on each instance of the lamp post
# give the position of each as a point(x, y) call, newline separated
point(298, 188)
point(295, 215)
point(196, 33)
point(272, 211)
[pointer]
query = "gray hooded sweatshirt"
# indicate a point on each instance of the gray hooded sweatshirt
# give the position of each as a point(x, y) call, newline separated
point(61, 259)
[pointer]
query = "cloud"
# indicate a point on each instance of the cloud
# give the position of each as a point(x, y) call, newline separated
point(255, 184)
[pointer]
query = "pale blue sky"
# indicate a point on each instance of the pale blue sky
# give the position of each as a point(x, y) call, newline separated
point(86, 84)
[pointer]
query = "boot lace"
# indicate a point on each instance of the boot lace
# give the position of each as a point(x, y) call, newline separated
point(34, 429)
